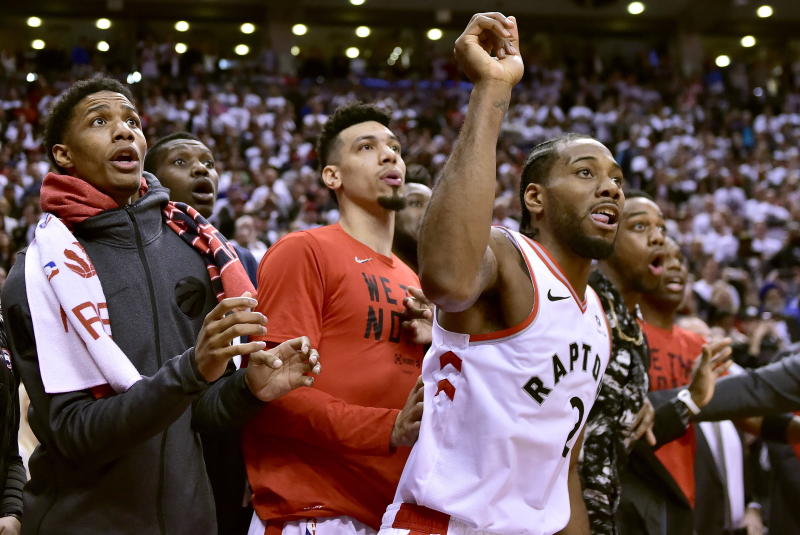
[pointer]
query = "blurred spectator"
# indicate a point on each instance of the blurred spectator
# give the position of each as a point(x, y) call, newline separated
point(723, 164)
point(246, 237)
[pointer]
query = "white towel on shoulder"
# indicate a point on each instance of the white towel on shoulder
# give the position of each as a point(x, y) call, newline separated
point(70, 315)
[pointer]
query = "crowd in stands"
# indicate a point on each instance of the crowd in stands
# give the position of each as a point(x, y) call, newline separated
point(719, 152)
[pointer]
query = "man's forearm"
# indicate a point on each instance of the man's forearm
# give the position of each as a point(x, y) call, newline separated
point(89, 431)
point(769, 390)
point(313, 416)
point(226, 406)
point(455, 232)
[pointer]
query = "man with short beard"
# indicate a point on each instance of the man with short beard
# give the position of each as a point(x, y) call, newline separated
point(519, 343)
point(678, 359)
point(328, 459)
point(622, 414)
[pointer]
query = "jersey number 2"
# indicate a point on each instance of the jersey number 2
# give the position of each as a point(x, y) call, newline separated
point(576, 404)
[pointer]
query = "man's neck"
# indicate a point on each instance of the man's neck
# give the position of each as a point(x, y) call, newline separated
point(630, 296)
point(373, 229)
point(662, 315)
point(576, 268)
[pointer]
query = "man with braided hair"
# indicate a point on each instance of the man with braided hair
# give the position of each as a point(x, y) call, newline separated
point(520, 343)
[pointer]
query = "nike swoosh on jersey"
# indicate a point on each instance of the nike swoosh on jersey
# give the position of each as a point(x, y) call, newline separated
point(552, 297)
point(362, 260)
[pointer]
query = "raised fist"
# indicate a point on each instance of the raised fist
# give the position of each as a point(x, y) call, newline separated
point(488, 49)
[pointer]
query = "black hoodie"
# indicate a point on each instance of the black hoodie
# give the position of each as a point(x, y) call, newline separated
point(131, 462)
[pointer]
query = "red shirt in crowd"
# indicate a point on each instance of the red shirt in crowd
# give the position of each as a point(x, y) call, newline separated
point(324, 451)
point(672, 355)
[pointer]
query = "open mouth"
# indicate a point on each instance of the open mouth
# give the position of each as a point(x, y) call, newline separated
point(656, 265)
point(125, 159)
point(203, 191)
point(606, 215)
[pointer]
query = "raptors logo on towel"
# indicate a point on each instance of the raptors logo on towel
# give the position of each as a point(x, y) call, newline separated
point(82, 266)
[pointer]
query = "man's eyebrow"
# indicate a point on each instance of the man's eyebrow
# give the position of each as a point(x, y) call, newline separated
point(96, 108)
point(370, 137)
point(104, 107)
point(593, 158)
point(634, 214)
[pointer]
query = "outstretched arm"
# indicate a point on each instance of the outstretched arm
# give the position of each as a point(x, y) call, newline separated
point(768, 390)
point(456, 262)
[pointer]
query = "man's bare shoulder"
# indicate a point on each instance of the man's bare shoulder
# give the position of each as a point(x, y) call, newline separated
point(507, 254)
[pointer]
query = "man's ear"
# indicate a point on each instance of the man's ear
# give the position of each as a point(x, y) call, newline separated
point(534, 199)
point(331, 177)
point(62, 156)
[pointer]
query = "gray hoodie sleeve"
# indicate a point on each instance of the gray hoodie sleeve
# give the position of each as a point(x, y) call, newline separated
point(89, 430)
point(227, 405)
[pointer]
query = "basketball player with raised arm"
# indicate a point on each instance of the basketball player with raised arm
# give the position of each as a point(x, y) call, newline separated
point(520, 342)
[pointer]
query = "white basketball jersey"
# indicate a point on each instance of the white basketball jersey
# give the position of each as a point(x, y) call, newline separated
point(502, 411)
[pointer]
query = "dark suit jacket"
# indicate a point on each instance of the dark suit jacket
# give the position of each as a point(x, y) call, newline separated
point(784, 510)
point(652, 503)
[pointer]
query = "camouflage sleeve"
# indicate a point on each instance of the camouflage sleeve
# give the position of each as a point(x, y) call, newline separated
point(598, 468)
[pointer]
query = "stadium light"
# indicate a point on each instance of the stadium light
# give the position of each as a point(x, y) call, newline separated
point(764, 11)
point(395, 55)
point(247, 27)
point(37, 44)
point(636, 8)
point(722, 60)
point(352, 52)
point(103, 24)
point(182, 26)
point(357, 2)
point(31, 77)
point(748, 41)
point(135, 77)
point(299, 29)
point(34, 22)
point(295, 50)
point(102, 46)
point(241, 49)
point(434, 34)
point(181, 48)
point(363, 31)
